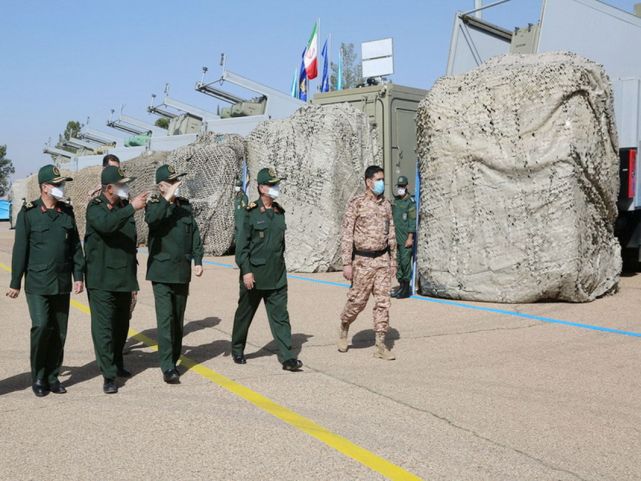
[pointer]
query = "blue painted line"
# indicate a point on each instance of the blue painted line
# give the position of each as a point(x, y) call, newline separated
point(492, 310)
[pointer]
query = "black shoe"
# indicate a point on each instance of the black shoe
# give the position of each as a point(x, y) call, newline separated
point(57, 388)
point(40, 388)
point(110, 387)
point(239, 358)
point(394, 292)
point(171, 376)
point(292, 365)
point(122, 372)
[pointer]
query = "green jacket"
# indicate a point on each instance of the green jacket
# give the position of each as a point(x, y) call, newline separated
point(404, 213)
point(46, 249)
point(110, 246)
point(260, 245)
point(174, 240)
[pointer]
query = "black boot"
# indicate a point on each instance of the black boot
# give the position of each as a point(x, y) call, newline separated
point(405, 291)
point(394, 292)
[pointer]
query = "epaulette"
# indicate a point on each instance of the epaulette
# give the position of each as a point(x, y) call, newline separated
point(28, 205)
point(97, 200)
point(154, 198)
point(251, 205)
point(183, 200)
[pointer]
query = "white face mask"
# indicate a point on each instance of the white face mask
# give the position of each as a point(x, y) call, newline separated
point(274, 191)
point(123, 192)
point(237, 189)
point(57, 192)
point(400, 191)
point(177, 192)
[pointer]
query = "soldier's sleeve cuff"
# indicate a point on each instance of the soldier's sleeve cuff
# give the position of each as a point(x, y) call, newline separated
point(15, 284)
point(198, 261)
point(79, 276)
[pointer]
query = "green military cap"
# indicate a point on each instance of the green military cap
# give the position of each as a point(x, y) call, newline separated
point(267, 176)
point(50, 174)
point(402, 180)
point(166, 173)
point(114, 175)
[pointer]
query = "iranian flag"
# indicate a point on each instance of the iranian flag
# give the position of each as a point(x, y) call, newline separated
point(311, 54)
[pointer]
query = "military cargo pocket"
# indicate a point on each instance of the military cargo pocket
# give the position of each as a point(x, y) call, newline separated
point(257, 262)
point(37, 267)
point(162, 256)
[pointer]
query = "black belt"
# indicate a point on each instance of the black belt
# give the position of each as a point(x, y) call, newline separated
point(372, 254)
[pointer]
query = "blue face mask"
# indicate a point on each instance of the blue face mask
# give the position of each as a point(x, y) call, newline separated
point(379, 187)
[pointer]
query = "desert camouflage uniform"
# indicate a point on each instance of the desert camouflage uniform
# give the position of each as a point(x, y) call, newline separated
point(368, 226)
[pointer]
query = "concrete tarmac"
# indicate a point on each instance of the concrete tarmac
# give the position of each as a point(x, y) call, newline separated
point(473, 395)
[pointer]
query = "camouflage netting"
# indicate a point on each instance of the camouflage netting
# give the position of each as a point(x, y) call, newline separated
point(323, 151)
point(17, 196)
point(212, 164)
point(520, 172)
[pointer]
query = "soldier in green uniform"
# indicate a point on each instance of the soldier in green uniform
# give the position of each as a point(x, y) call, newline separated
point(260, 255)
point(110, 248)
point(47, 252)
point(174, 240)
point(404, 212)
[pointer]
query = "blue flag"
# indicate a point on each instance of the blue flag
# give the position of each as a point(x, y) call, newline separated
point(325, 77)
point(302, 79)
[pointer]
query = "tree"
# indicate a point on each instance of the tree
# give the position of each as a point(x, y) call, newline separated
point(6, 169)
point(162, 122)
point(71, 130)
point(352, 71)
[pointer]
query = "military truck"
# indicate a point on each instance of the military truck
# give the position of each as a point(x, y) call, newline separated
point(391, 110)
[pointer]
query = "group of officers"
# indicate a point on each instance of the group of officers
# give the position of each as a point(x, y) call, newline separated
point(377, 243)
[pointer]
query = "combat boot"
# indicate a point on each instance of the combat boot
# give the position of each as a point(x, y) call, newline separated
point(342, 338)
point(405, 290)
point(394, 292)
point(381, 351)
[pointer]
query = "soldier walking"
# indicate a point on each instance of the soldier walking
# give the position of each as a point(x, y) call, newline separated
point(368, 250)
point(404, 213)
point(47, 252)
point(240, 204)
point(110, 247)
point(260, 255)
point(174, 240)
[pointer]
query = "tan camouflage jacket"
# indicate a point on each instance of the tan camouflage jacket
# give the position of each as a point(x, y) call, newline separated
point(368, 225)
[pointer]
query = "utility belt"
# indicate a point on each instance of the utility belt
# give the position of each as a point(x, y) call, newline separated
point(371, 254)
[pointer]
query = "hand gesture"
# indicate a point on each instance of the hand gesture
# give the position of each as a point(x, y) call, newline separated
point(347, 272)
point(12, 293)
point(139, 201)
point(170, 194)
point(248, 280)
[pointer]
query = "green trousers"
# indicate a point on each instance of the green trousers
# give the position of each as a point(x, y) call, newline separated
point(110, 313)
point(404, 263)
point(171, 301)
point(49, 316)
point(276, 306)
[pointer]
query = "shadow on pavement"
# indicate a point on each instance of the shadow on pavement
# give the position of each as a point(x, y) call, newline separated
point(271, 348)
point(366, 338)
point(18, 382)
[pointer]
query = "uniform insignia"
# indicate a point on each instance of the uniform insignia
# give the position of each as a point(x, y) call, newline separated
point(97, 200)
point(28, 205)
point(121, 172)
point(154, 198)
point(171, 169)
point(56, 171)
point(272, 173)
point(251, 205)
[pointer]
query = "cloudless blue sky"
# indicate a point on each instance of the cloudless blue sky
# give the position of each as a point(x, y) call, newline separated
point(69, 60)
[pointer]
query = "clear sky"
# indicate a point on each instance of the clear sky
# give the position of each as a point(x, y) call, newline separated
point(69, 60)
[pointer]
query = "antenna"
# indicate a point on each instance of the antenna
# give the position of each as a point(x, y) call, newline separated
point(222, 60)
point(111, 117)
point(202, 80)
point(153, 100)
point(167, 88)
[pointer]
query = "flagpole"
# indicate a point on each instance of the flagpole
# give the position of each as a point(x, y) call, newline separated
point(329, 60)
point(318, 40)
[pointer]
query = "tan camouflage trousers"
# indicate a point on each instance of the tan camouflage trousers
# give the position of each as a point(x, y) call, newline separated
point(369, 276)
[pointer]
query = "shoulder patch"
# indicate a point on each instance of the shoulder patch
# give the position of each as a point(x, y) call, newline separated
point(96, 200)
point(154, 198)
point(251, 205)
point(278, 207)
point(28, 205)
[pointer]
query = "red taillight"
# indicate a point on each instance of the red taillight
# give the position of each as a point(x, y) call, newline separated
point(632, 173)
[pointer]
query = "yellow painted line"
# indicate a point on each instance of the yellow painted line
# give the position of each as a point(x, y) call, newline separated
point(333, 440)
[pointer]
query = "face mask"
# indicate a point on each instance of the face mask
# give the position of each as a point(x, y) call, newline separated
point(401, 191)
point(57, 192)
point(177, 192)
point(379, 187)
point(123, 192)
point(274, 191)
point(237, 189)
